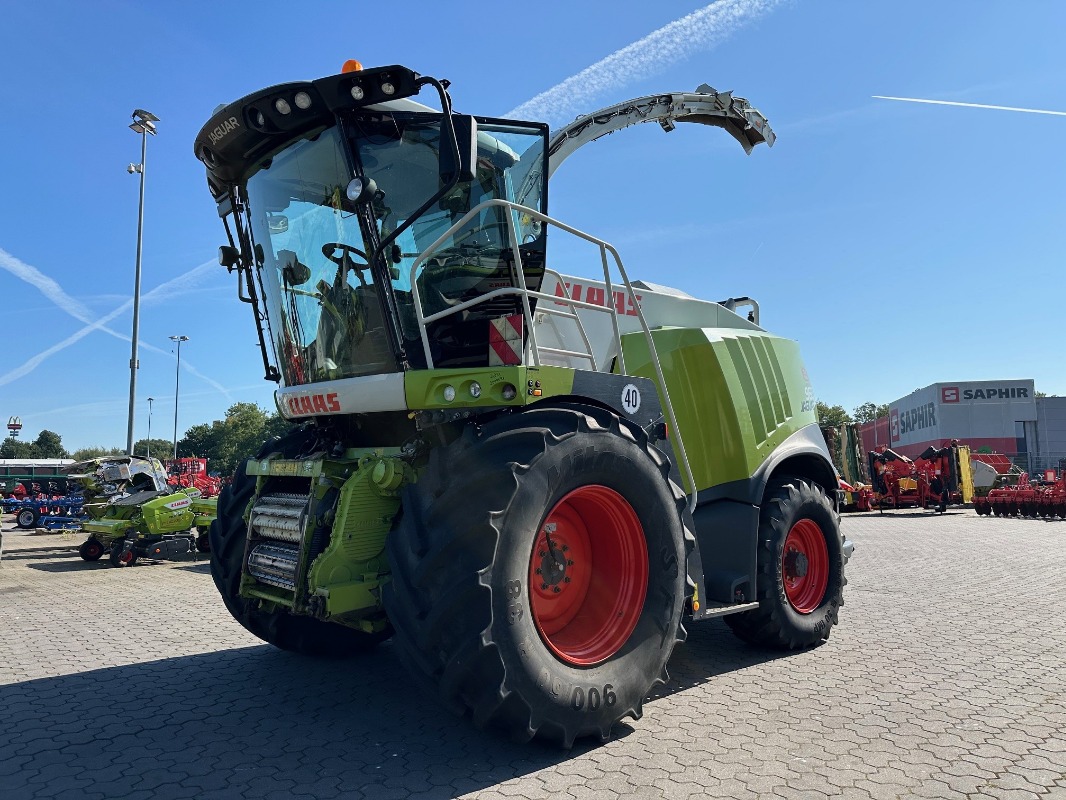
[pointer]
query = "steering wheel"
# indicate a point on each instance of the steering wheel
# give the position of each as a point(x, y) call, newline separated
point(329, 250)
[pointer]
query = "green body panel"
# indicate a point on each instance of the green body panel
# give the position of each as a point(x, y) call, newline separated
point(347, 573)
point(737, 395)
point(107, 529)
point(205, 506)
point(424, 389)
point(168, 514)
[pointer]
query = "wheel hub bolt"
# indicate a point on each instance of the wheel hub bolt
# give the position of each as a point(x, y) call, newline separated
point(556, 589)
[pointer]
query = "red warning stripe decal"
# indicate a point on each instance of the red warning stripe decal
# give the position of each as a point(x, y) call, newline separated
point(505, 341)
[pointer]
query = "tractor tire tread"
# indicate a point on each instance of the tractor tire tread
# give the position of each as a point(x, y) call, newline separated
point(442, 555)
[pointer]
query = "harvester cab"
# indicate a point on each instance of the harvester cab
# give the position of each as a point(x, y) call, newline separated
point(133, 511)
point(528, 478)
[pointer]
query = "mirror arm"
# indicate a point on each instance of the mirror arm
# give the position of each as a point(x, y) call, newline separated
point(453, 143)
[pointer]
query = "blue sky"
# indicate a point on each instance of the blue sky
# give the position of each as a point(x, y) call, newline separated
point(900, 244)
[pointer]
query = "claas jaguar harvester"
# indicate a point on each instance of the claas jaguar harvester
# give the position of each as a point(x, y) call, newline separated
point(529, 481)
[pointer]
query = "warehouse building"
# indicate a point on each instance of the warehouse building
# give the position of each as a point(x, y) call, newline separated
point(1002, 416)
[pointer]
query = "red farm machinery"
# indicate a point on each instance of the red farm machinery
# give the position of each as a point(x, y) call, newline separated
point(1018, 495)
point(933, 480)
point(184, 473)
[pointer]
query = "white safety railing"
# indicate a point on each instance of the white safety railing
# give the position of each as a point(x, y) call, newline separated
point(524, 293)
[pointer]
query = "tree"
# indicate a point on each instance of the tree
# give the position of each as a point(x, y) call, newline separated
point(16, 448)
point(1041, 394)
point(85, 453)
point(868, 412)
point(160, 448)
point(50, 445)
point(227, 442)
point(831, 416)
point(47, 445)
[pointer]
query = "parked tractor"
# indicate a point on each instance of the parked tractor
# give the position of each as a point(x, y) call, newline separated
point(531, 482)
point(133, 512)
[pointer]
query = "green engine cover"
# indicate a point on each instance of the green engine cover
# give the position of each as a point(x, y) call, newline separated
point(170, 513)
point(737, 394)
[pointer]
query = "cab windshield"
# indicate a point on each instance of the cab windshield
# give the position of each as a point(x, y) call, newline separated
point(330, 312)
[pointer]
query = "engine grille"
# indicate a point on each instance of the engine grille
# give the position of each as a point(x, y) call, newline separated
point(274, 564)
point(280, 516)
point(277, 524)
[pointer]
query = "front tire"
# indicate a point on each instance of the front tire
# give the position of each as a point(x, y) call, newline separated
point(91, 550)
point(516, 630)
point(226, 541)
point(801, 569)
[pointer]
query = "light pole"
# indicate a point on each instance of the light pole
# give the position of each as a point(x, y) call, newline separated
point(149, 445)
point(144, 124)
point(177, 383)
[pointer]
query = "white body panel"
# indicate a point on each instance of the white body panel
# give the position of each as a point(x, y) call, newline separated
point(662, 307)
point(364, 395)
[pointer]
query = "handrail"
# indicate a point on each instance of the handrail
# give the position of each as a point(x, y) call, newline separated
point(525, 293)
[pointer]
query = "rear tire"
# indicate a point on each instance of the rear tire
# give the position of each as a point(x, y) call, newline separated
point(472, 617)
point(227, 536)
point(801, 569)
point(120, 556)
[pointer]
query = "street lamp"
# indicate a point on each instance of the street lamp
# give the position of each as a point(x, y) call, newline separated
point(177, 380)
point(149, 445)
point(144, 124)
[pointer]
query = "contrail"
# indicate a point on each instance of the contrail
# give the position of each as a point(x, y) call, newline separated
point(159, 292)
point(54, 292)
point(700, 30)
point(45, 285)
point(971, 105)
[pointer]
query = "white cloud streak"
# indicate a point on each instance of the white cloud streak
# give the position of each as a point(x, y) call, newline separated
point(701, 30)
point(970, 105)
point(55, 293)
point(45, 285)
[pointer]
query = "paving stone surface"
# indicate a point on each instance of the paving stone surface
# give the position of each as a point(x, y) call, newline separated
point(946, 678)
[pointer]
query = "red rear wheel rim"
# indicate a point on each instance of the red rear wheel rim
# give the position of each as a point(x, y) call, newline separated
point(587, 588)
point(805, 566)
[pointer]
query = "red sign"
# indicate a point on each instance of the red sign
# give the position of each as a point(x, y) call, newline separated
point(622, 302)
point(949, 394)
point(894, 424)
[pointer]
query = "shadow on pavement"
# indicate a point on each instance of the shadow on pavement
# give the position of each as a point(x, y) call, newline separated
point(252, 718)
point(260, 718)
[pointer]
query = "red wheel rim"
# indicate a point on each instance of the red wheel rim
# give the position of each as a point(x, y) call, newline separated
point(805, 566)
point(126, 557)
point(587, 589)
